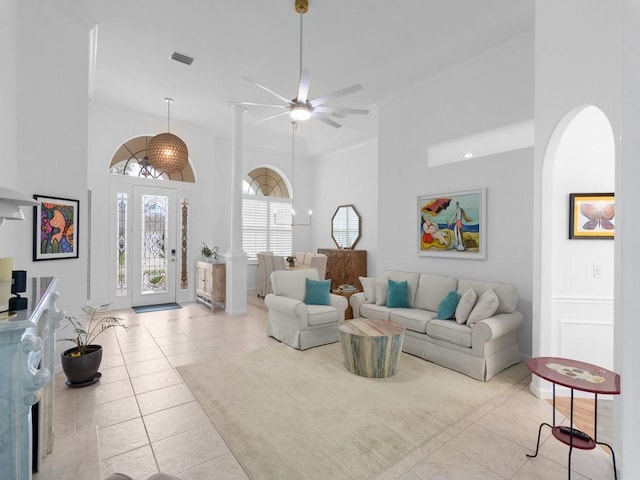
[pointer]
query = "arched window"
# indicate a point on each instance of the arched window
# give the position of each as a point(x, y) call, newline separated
point(131, 159)
point(266, 213)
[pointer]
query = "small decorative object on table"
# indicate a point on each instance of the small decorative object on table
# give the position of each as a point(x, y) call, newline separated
point(209, 254)
point(347, 288)
point(81, 363)
point(291, 261)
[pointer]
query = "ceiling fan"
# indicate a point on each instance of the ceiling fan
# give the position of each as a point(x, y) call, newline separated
point(302, 108)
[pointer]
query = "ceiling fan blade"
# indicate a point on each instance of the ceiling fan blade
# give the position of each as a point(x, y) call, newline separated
point(271, 116)
point(340, 93)
point(303, 88)
point(342, 110)
point(268, 90)
point(255, 104)
point(326, 120)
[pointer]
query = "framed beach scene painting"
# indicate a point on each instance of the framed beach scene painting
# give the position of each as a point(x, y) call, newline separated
point(452, 224)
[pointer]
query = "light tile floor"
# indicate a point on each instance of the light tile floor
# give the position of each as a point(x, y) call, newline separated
point(140, 418)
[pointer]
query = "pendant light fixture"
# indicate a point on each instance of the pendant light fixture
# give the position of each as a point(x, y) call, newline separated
point(167, 152)
point(294, 127)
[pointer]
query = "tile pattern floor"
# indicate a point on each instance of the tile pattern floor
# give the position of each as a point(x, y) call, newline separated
point(141, 418)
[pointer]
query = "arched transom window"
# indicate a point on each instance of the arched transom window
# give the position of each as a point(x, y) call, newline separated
point(266, 213)
point(131, 159)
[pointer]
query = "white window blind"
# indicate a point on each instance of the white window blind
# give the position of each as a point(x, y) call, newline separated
point(266, 226)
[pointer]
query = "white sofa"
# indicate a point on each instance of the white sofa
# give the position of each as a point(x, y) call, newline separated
point(479, 350)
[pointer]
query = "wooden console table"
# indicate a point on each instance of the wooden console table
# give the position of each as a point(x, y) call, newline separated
point(583, 377)
point(344, 266)
point(211, 284)
point(27, 354)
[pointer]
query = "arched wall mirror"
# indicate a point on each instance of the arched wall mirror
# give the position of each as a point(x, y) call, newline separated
point(345, 226)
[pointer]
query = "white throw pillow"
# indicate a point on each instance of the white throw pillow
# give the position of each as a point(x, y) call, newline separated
point(465, 305)
point(382, 285)
point(369, 287)
point(485, 307)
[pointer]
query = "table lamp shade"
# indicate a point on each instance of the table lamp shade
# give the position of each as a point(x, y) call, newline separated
point(6, 270)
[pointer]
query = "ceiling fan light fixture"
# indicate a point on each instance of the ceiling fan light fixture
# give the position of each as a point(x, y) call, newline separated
point(166, 151)
point(300, 113)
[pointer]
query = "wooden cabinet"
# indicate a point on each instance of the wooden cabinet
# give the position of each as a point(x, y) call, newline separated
point(211, 283)
point(345, 266)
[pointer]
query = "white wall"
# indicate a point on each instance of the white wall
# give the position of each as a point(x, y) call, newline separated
point(490, 91)
point(627, 327)
point(578, 63)
point(209, 197)
point(8, 114)
point(582, 303)
point(108, 129)
point(349, 176)
point(51, 126)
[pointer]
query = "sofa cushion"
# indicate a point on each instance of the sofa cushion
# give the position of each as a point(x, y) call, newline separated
point(412, 318)
point(507, 294)
point(381, 291)
point(465, 305)
point(485, 307)
point(432, 289)
point(317, 292)
point(398, 294)
point(321, 314)
point(447, 307)
point(450, 331)
point(375, 312)
point(410, 277)
point(369, 288)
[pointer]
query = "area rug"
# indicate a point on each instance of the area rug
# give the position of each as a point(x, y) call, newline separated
point(156, 308)
point(291, 414)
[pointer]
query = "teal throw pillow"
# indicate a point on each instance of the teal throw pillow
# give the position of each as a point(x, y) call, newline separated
point(317, 292)
point(447, 307)
point(398, 294)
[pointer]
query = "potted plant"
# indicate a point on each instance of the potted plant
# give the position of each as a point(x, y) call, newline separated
point(81, 362)
point(209, 254)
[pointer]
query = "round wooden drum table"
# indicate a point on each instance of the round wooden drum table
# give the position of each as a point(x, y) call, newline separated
point(371, 348)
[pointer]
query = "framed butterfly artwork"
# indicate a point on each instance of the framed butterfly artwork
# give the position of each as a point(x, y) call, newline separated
point(592, 216)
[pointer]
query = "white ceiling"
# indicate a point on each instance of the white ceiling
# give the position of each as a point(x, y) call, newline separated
point(387, 46)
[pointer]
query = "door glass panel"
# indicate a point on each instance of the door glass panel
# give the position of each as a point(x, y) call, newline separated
point(121, 228)
point(155, 230)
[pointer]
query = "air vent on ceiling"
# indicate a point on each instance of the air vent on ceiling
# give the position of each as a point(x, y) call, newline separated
point(179, 57)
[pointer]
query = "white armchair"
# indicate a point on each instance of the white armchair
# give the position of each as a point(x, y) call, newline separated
point(295, 323)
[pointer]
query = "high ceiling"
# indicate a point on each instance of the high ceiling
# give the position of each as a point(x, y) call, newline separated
point(387, 46)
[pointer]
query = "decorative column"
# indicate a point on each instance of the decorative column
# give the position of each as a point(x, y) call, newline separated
point(236, 258)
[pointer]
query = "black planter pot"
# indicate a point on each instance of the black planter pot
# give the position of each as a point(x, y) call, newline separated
point(82, 370)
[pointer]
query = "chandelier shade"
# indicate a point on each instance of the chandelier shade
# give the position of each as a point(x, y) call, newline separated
point(167, 153)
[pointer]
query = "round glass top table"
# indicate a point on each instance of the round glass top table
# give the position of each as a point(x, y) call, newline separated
point(583, 377)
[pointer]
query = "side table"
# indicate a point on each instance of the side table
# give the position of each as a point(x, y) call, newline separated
point(348, 313)
point(371, 348)
point(583, 377)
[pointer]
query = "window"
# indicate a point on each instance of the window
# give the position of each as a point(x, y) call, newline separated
point(131, 160)
point(266, 216)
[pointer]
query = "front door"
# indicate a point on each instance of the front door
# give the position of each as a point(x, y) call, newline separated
point(154, 246)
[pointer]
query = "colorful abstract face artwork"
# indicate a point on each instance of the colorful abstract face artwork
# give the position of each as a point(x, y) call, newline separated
point(55, 228)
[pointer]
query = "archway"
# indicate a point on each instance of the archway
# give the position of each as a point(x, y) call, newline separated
point(576, 287)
